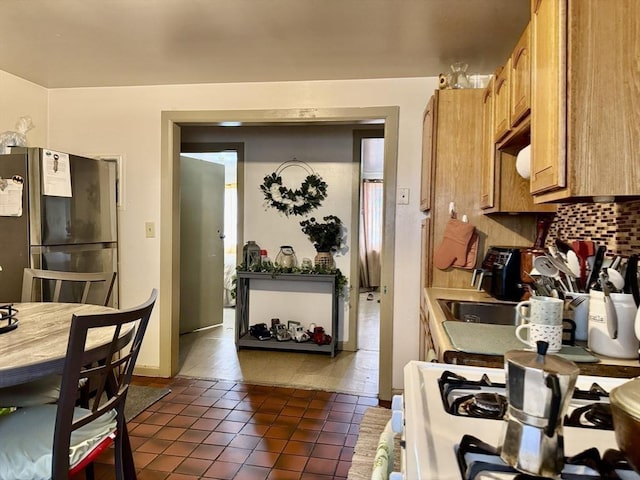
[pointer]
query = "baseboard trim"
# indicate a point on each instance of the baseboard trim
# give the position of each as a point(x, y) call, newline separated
point(148, 371)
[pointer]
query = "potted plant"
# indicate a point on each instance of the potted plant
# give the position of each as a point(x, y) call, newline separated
point(326, 238)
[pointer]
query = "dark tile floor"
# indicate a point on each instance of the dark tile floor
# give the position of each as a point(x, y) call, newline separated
point(220, 430)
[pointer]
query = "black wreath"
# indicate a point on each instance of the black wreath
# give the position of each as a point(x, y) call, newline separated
point(300, 201)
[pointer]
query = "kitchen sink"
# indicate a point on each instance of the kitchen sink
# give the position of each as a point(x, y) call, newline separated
point(503, 313)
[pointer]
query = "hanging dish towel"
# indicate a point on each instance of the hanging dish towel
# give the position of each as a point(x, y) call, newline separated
point(455, 244)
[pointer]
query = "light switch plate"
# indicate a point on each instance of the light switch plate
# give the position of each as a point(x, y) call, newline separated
point(150, 229)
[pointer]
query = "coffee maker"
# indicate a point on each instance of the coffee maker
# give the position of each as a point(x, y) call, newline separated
point(539, 388)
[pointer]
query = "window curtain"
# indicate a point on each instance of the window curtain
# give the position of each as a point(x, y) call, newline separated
point(370, 233)
point(230, 240)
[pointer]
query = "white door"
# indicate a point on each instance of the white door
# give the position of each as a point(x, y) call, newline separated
point(201, 243)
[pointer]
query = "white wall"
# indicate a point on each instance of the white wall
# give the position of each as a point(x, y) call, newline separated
point(126, 121)
point(19, 98)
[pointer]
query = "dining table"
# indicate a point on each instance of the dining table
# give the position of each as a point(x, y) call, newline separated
point(37, 347)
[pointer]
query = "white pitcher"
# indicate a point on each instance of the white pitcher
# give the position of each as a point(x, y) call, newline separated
point(625, 344)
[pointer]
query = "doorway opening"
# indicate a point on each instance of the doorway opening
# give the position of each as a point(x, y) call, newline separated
point(370, 154)
point(170, 254)
point(226, 156)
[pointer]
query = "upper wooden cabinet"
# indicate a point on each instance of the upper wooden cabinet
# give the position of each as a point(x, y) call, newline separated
point(501, 112)
point(520, 81)
point(585, 115)
point(502, 190)
point(428, 132)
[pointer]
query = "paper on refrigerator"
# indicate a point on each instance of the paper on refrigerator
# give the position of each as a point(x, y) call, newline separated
point(56, 174)
point(11, 196)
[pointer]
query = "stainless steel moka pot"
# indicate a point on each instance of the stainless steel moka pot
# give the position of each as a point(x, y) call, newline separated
point(539, 388)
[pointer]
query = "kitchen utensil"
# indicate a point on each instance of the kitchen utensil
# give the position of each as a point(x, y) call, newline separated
point(637, 325)
point(560, 263)
point(625, 345)
point(615, 279)
point(542, 229)
point(563, 246)
point(631, 279)
point(615, 263)
point(595, 270)
point(573, 262)
point(611, 319)
point(546, 268)
point(625, 407)
point(537, 389)
point(584, 249)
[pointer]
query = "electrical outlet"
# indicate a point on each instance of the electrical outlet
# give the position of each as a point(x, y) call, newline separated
point(403, 196)
point(150, 229)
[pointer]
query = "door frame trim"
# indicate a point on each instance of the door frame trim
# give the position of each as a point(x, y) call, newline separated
point(169, 301)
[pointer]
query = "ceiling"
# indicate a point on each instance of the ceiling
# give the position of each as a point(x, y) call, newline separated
point(91, 43)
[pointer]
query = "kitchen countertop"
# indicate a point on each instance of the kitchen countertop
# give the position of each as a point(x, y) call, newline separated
point(446, 352)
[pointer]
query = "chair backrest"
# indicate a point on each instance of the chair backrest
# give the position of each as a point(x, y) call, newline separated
point(109, 370)
point(83, 287)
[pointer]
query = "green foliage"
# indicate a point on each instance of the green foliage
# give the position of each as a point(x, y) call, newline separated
point(300, 201)
point(275, 270)
point(327, 236)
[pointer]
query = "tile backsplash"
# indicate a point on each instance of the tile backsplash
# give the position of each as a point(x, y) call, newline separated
point(616, 225)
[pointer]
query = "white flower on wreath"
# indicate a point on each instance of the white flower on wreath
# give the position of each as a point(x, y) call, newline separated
point(275, 191)
point(313, 191)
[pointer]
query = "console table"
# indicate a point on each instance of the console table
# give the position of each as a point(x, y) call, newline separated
point(244, 339)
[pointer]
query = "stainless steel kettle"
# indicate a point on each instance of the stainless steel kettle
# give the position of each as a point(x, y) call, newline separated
point(539, 387)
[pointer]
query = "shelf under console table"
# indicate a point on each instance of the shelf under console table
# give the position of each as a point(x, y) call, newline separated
point(283, 282)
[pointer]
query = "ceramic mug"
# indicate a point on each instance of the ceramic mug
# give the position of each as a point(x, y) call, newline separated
point(580, 305)
point(552, 334)
point(541, 310)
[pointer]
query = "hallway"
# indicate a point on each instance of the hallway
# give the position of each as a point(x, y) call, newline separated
point(211, 354)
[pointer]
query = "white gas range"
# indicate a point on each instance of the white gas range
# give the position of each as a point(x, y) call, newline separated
point(432, 435)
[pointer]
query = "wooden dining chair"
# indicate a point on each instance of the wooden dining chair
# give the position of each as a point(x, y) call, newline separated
point(87, 287)
point(59, 441)
point(95, 288)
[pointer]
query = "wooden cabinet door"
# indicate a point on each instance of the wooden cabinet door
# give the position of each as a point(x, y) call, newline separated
point(428, 141)
point(548, 95)
point(501, 102)
point(520, 83)
point(487, 186)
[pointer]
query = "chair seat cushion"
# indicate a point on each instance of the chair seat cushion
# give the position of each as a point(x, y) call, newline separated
point(37, 392)
point(27, 433)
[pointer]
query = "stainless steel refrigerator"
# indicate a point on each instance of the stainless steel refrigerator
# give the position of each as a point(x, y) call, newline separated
point(57, 212)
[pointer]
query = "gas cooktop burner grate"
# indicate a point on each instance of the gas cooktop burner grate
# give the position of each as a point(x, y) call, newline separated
point(589, 408)
point(478, 460)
